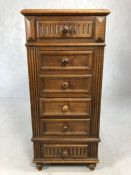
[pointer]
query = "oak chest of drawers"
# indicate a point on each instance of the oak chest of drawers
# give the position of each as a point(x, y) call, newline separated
point(65, 61)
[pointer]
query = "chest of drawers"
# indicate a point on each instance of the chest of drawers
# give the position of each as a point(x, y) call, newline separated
point(65, 61)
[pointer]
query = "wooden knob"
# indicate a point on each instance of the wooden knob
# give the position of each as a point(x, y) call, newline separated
point(65, 30)
point(65, 85)
point(65, 108)
point(65, 61)
point(64, 153)
point(65, 128)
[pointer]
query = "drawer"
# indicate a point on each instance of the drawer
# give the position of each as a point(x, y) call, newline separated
point(65, 127)
point(65, 85)
point(66, 28)
point(65, 62)
point(63, 151)
point(64, 107)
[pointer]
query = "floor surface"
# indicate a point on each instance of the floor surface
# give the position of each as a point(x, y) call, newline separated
point(16, 150)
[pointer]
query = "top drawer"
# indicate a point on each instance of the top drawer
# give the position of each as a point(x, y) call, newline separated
point(62, 28)
point(65, 28)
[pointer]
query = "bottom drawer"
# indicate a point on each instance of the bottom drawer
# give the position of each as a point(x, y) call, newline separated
point(64, 151)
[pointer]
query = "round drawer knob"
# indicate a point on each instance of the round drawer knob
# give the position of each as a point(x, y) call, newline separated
point(65, 61)
point(65, 85)
point(65, 128)
point(64, 153)
point(65, 108)
point(65, 30)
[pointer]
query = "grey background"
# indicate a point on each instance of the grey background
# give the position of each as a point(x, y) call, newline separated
point(13, 64)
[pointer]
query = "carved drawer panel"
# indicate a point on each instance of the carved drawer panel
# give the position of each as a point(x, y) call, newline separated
point(50, 107)
point(64, 151)
point(63, 62)
point(69, 28)
point(65, 85)
point(61, 29)
point(65, 127)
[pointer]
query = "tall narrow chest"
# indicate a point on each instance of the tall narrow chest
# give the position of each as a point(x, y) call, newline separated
point(65, 62)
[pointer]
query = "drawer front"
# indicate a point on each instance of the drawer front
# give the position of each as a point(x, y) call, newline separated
point(65, 127)
point(63, 151)
point(64, 107)
point(66, 28)
point(65, 86)
point(61, 27)
point(60, 62)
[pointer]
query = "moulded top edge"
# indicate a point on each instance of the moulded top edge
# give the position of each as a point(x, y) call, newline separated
point(37, 12)
point(33, 44)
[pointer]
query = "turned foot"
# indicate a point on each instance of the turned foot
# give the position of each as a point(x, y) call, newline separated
point(92, 166)
point(39, 166)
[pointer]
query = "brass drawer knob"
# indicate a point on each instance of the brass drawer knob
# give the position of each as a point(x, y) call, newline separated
point(65, 108)
point(65, 85)
point(65, 61)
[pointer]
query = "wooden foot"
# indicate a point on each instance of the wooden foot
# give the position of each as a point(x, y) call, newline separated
point(92, 166)
point(39, 166)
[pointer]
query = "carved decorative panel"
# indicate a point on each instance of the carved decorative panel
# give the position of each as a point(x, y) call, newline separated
point(30, 32)
point(53, 29)
point(65, 151)
point(100, 28)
